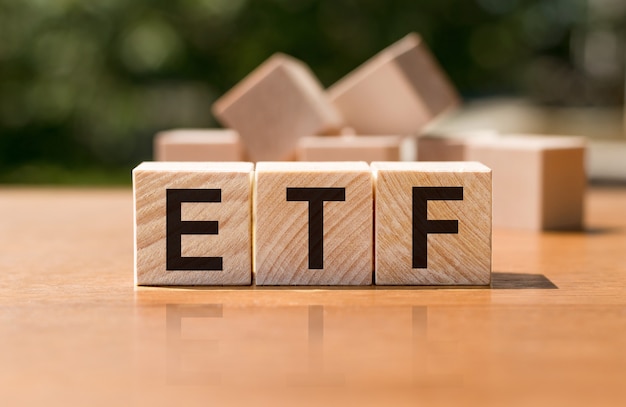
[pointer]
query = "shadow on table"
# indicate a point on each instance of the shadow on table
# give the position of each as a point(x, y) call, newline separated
point(588, 230)
point(499, 281)
point(521, 281)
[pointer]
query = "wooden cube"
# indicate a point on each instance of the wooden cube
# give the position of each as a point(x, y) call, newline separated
point(198, 145)
point(538, 182)
point(432, 223)
point(274, 106)
point(437, 148)
point(313, 223)
point(350, 148)
point(193, 223)
point(398, 91)
point(449, 145)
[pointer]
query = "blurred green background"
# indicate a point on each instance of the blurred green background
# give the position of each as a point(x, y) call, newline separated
point(84, 85)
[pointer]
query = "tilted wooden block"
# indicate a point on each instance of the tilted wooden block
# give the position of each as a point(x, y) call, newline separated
point(432, 223)
point(398, 91)
point(313, 223)
point(193, 223)
point(198, 145)
point(274, 106)
point(538, 182)
point(350, 148)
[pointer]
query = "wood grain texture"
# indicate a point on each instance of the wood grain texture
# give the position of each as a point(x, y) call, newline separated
point(550, 331)
point(282, 228)
point(350, 148)
point(538, 182)
point(462, 258)
point(398, 91)
point(274, 106)
point(198, 145)
point(233, 212)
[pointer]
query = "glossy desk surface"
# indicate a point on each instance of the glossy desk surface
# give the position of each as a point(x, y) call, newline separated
point(75, 331)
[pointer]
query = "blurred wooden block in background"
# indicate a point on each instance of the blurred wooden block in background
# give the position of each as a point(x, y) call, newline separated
point(538, 181)
point(350, 148)
point(449, 146)
point(198, 145)
point(313, 223)
point(436, 148)
point(432, 223)
point(274, 106)
point(398, 91)
point(193, 223)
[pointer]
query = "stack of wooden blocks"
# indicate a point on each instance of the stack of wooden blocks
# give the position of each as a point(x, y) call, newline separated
point(252, 203)
point(280, 111)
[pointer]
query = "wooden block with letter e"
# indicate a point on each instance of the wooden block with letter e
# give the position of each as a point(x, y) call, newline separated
point(433, 223)
point(198, 145)
point(350, 148)
point(274, 106)
point(398, 91)
point(539, 181)
point(313, 223)
point(193, 223)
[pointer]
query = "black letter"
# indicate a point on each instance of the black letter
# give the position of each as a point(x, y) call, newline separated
point(316, 198)
point(177, 227)
point(422, 226)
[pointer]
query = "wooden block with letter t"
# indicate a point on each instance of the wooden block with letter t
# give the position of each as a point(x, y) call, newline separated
point(274, 106)
point(398, 91)
point(433, 223)
point(193, 223)
point(313, 223)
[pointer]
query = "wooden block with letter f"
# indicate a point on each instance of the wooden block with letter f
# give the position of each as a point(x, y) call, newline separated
point(313, 223)
point(193, 223)
point(433, 223)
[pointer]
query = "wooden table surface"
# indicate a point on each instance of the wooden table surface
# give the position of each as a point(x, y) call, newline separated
point(75, 331)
